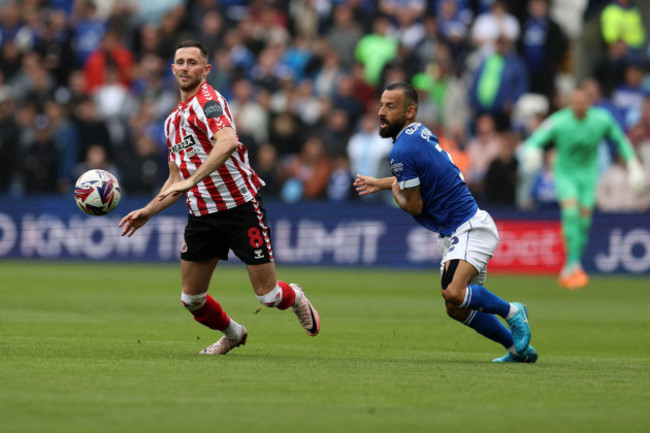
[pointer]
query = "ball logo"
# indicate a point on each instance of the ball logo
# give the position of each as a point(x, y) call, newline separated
point(212, 109)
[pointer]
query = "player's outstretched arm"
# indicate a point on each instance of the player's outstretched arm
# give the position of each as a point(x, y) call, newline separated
point(133, 221)
point(367, 184)
point(139, 217)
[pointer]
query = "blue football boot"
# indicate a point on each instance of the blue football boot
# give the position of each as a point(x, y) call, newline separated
point(519, 328)
point(529, 356)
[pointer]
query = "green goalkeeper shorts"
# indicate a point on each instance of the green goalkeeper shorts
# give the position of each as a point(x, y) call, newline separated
point(579, 188)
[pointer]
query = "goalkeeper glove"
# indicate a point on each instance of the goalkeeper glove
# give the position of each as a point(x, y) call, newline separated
point(635, 175)
point(533, 157)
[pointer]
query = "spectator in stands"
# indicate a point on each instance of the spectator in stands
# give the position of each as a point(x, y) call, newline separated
point(344, 34)
point(55, 47)
point(491, 26)
point(501, 175)
point(145, 168)
point(425, 50)
point(454, 144)
point(454, 28)
point(92, 129)
point(610, 69)
point(339, 187)
point(498, 83)
point(269, 70)
point(96, 158)
point(312, 168)
point(363, 92)
point(305, 104)
point(149, 85)
point(343, 99)
point(285, 133)
point(89, 31)
point(607, 149)
point(481, 151)
point(297, 57)
point(250, 118)
point(376, 49)
point(326, 80)
point(613, 194)
point(9, 136)
point(335, 131)
point(366, 150)
point(11, 25)
point(459, 11)
point(542, 193)
point(628, 97)
point(621, 20)
point(65, 138)
point(210, 31)
point(409, 27)
point(543, 45)
point(639, 134)
point(39, 165)
point(111, 55)
point(267, 167)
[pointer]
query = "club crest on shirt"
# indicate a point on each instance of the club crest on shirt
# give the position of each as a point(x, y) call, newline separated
point(212, 109)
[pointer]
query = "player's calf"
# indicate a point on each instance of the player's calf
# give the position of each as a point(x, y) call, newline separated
point(208, 312)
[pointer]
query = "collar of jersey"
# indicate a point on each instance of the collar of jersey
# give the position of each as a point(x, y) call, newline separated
point(417, 124)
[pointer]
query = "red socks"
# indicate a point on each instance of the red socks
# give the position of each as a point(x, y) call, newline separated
point(288, 296)
point(212, 315)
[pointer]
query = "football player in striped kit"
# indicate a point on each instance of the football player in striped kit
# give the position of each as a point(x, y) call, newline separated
point(209, 165)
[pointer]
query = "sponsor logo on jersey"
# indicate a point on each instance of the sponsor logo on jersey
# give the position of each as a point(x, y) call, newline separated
point(212, 109)
point(259, 254)
point(188, 141)
point(396, 167)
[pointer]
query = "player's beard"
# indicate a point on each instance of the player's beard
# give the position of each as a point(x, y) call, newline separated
point(391, 129)
point(191, 85)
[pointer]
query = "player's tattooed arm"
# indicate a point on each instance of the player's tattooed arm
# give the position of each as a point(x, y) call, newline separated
point(409, 199)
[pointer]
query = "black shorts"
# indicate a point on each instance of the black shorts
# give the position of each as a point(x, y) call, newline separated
point(243, 229)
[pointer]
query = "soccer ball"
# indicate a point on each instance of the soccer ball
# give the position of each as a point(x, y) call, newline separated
point(97, 192)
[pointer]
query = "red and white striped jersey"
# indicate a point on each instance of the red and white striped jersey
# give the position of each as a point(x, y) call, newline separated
point(190, 131)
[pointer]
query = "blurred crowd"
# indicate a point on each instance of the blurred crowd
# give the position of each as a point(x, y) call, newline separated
point(87, 84)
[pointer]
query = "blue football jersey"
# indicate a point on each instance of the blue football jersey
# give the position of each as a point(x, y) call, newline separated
point(416, 158)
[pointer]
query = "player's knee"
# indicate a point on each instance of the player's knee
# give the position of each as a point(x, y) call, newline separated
point(453, 294)
point(451, 290)
point(193, 302)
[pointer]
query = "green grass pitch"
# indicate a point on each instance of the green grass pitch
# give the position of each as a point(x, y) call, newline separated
point(109, 348)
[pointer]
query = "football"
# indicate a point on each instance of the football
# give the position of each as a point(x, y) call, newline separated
point(97, 192)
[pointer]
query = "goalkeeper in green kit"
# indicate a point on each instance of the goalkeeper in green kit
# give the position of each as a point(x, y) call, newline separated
point(577, 132)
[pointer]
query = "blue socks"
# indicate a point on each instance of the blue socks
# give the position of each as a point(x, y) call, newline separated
point(481, 299)
point(489, 325)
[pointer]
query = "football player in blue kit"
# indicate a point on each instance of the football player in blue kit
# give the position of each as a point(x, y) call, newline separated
point(427, 185)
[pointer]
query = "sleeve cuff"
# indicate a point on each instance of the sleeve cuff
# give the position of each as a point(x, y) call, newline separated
point(409, 183)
